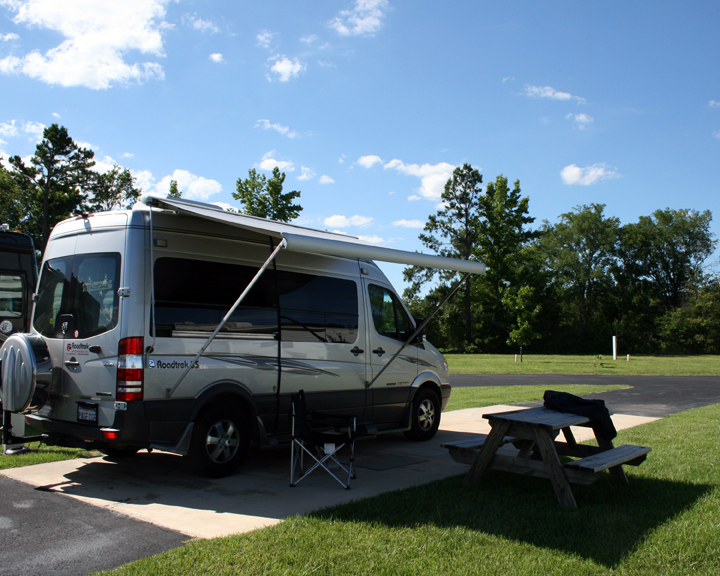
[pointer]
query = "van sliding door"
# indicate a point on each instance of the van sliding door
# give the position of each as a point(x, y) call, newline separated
point(323, 343)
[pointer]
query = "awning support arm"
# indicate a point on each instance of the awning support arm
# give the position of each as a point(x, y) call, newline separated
point(419, 329)
point(283, 244)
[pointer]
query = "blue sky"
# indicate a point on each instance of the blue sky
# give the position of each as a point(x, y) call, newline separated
point(368, 105)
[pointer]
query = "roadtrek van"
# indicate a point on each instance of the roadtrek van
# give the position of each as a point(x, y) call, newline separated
point(182, 327)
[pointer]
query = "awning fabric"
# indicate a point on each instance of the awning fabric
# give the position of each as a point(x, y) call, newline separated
point(300, 239)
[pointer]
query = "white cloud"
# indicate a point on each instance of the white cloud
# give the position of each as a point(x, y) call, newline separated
point(714, 104)
point(56, 115)
point(225, 206)
point(716, 134)
point(8, 37)
point(574, 174)
point(325, 179)
point(582, 120)
point(284, 130)
point(8, 130)
point(338, 221)
point(144, 180)
point(35, 129)
point(364, 19)
point(98, 38)
point(414, 197)
point(104, 164)
point(200, 24)
point(368, 161)
point(374, 239)
point(268, 163)
point(433, 177)
point(409, 223)
point(309, 39)
point(286, 68)
point(306, 173)
point(127, 155)
point(264, 38)
point(193, 187)
point(550, 92)
point(216, 57)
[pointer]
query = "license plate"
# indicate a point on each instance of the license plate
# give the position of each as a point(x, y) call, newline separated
point(87, 413)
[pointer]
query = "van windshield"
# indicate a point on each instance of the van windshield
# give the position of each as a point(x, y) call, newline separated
point(82, 286)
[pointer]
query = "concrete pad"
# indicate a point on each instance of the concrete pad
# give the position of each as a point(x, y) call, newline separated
point(157, 488)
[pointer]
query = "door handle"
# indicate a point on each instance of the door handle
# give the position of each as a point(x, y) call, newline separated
point(72, 363)
point(379, 351)
point(357, 351)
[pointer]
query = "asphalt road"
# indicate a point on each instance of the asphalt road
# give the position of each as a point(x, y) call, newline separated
point(654, 396)
point(52, 534)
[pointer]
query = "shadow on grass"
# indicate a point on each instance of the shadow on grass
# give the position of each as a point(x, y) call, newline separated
point(611, 522)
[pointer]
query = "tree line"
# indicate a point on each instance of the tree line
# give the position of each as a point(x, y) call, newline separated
point(558, 288)
point(566, 287)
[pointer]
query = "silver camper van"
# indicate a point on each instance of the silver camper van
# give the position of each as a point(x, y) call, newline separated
point(182, 327)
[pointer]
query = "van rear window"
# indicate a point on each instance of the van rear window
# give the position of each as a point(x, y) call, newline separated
point(81, 288)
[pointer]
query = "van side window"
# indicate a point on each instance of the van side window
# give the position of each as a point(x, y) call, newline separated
point(193, 296)
point(317, 308)
point(389, 317)
point(84, 286)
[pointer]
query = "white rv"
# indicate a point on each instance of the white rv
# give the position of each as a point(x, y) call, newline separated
point(182, 327)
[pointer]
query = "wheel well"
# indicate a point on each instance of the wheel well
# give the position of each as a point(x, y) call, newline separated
point(234, 400)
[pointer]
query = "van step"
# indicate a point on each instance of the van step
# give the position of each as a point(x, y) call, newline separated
point(625, 454)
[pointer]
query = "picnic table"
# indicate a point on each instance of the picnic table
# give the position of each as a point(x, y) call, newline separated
point(532, 431)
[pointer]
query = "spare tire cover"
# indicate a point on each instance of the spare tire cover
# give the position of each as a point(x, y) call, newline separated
point(26, 373)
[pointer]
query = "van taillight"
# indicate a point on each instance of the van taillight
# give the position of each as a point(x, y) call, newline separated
point(130, 374)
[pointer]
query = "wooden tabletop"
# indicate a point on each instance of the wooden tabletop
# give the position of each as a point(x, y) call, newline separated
point(539, 418)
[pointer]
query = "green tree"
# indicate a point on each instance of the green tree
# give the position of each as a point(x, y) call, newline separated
point(694, 327)
point(264, 198)
point(526, 313)
point(54, 183)
point(114, 189)
point(11, 200)
point(174, 191)
point(453, 232)
point(668, 250)
point(502, 244)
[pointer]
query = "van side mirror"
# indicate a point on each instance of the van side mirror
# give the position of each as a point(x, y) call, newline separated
point(420, 338)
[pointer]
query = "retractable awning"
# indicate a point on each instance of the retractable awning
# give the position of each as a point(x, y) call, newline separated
point(301, 239)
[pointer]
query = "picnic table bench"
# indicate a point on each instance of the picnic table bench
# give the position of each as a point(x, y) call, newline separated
point(532, 432)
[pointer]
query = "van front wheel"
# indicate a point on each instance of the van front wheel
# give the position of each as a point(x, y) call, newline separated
point(220, 441)
point(425, 415)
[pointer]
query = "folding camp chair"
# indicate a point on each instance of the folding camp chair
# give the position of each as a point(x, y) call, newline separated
point(321, 436)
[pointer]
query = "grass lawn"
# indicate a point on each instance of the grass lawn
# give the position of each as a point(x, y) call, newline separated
point(665, 522)
point(557, 364)
point(40, 454)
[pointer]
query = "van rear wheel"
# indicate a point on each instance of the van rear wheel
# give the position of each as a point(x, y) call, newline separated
point(220, 441)
point(425, 415)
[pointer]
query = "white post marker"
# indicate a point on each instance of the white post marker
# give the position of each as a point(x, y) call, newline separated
point(614, 347)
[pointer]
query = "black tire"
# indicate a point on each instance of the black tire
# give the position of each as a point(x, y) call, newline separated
point(220, 441)
point(425, 415)
point(116, 452)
